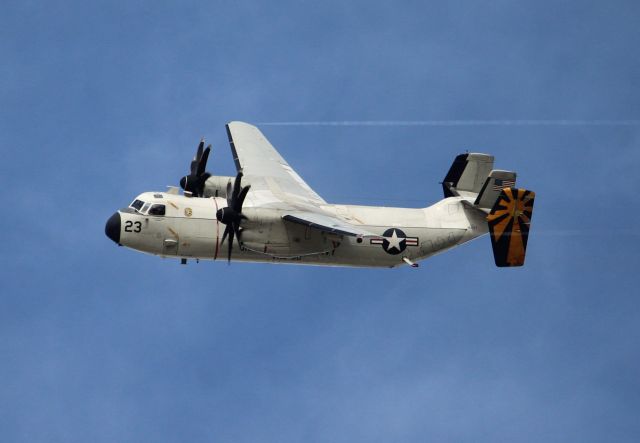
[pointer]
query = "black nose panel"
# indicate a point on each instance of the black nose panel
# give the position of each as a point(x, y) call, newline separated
point(112, 228)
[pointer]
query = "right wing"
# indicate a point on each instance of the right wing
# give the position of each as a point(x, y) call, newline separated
point(272, 179)
point(275, 184)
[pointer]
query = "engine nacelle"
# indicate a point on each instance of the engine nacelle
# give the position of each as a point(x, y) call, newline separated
point(216, 186)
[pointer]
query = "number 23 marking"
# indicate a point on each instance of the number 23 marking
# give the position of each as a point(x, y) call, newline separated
point(130, 226)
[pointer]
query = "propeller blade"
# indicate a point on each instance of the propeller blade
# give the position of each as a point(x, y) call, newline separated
point(229, 199)
point(232, 214)
point(199, 150)
point(230, 243)
point(202, 165)
point(237, 186)
point(238, 229)
point(241, 197)
point(224, 235)
point(196, 160)
point(195, 181)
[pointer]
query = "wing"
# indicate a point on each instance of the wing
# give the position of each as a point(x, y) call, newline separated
point(272, 180)
point(327, 223)
point(275, 184)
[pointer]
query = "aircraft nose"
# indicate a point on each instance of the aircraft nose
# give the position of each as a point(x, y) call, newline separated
point(112, 228)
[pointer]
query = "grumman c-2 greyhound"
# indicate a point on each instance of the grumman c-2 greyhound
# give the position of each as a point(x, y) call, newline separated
point(274, 216)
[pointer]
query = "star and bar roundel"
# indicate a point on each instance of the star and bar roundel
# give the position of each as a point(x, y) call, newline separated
point(394, 241)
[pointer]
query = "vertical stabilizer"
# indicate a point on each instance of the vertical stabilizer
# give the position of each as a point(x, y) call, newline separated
point(509, 223)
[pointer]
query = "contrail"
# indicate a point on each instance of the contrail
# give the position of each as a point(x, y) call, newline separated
point(457, 123)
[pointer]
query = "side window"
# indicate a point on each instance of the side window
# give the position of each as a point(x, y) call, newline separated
point(145, 207)
point(157, 210)
point(137, 204)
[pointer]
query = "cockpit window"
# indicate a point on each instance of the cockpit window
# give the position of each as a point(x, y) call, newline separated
point(157, 210)
point(137, 204)
point(145, 207)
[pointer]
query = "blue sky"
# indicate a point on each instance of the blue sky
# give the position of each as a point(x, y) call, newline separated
point(103, 100)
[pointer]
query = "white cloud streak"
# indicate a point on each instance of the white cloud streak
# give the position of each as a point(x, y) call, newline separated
point(456, 123)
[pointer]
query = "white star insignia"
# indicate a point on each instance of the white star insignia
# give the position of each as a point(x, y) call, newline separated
point(394, 241)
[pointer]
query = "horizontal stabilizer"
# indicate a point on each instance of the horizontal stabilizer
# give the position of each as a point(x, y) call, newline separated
point(509, 222)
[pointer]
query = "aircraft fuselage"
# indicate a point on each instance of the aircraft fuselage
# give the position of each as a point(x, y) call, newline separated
point(177, 226)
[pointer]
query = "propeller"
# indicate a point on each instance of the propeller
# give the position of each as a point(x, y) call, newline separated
point(232, 215)
point(194, 182)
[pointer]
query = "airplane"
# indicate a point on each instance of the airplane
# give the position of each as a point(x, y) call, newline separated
point(274, 216)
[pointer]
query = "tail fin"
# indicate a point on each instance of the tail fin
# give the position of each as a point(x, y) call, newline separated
point(509, 223)
point(494, 184)
point(467, 175)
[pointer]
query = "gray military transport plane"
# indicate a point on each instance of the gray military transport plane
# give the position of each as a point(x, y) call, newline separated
point(274, 216)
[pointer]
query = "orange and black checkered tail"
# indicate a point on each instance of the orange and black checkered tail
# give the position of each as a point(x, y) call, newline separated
point(509, 223)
